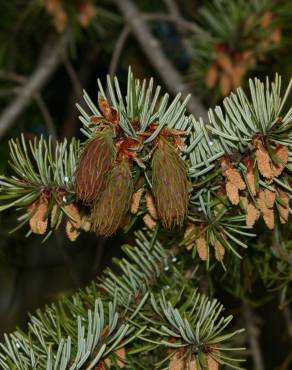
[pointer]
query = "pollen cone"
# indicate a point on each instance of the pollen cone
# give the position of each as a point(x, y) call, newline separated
point(170, 185)
point(95, 161)
point(114, 202)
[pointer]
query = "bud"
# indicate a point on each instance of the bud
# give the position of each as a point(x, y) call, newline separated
point(94, 163)
point(232, 193)
point(73, 213)
point(151, 206)
point(71, 231)
point(136, 199)
point(38, 223)
point(202, 248)
point(149, 222)
point(282, 154)
point(114, 202)
point(169, 185)
point(252, 214)
point(284, 207)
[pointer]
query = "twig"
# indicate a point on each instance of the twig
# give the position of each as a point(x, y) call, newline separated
point(118, 50)
point(253, 334)
point(34, 83)
point(186, 25)
point(173, 9)
point(73, 76)
point(151, 47)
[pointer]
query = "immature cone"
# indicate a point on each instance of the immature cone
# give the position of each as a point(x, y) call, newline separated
point(169, 185)
point(94, 163)
point(114, 202)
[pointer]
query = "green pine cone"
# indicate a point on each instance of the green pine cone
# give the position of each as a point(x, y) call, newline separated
point(169, 184)
point(110, 209)
point(95, 161)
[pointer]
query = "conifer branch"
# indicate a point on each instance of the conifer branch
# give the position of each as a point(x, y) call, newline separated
point(35, 82)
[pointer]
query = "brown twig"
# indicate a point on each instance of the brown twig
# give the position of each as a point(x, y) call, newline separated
point(252, 336)
point(182, 23)
point(34, 83)
point(118, 50)
point(152, 49)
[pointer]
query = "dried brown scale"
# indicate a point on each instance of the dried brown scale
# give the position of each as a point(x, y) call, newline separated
point(169, 184)
point(114, 202)
point(95, 161)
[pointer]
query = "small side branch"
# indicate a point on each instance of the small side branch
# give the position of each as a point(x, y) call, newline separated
point(252, 335)
point(34, 83)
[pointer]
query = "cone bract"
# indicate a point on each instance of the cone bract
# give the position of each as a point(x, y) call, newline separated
point(112, 206)
point(95, 161)
point(169, 184)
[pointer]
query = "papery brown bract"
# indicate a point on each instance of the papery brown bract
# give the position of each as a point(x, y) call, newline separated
point(169, 184)
point(115, 200)
point(95, 161)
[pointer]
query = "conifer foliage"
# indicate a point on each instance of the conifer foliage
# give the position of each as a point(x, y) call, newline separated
point(145, 158)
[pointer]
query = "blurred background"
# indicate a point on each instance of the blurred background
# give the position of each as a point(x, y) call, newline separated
point(50, 50)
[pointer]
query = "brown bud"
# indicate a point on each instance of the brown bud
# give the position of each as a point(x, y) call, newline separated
point(282, 155)
point(177, 361)
point(149, 222)
point(268, 213)
point(232, 193)
point(136, 198)
point(169, 184)
point(219, 251)
point(109, 113)
point(95, 161)
point(212, 363)
point(283, 208)
point(252, 214)
point(38, 223)
point(264, 162)
point(212, 76)
point(110, 209)
point(234, 177)
point(73, 213)
point(151, 206)
point(71, 231)
point(202, 248)
point(86, 14)
point(225, 83)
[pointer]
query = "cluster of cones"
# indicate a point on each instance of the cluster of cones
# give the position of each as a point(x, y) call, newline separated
point(85, 12)
point(230, 67)
point(105, 181)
